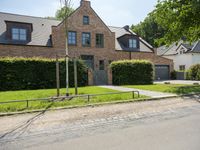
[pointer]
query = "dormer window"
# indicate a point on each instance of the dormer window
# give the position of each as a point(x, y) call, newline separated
point(86, 20)
point(132, 43)
point(19, 34)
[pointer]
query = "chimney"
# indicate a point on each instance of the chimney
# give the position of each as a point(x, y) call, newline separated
point(85, 2)
point(127, 28)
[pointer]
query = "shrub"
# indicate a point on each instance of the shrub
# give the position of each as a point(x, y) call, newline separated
point(130, 72)
point(194, 72)
point(36, 73)
point(173, 75)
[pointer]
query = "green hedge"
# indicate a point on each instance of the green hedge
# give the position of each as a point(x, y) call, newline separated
point(36, 73)
point(194, 72)
point(132, 72)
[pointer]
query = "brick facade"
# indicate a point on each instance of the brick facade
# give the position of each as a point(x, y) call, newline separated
point(96, 26)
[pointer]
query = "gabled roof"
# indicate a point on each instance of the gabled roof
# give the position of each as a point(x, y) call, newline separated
point(121, 31)
point(41, 28)
point(172, 49)
point(196, 47)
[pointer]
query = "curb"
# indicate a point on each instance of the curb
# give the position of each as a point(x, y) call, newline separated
point(95, 105)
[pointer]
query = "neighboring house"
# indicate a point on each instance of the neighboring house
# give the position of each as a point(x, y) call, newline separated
point(182, 53)
point(89, 38)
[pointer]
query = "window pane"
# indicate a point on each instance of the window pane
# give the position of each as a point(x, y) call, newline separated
point(22, 31)
point(19, 34)
point(99, 40)
point(15, 31)
point(23, 37)
point(85, 19)
point(86, 39)
point(132, 43)
point(15, 36)
point(72, 38)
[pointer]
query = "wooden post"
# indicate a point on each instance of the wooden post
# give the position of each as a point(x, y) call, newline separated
point(57, 77)
point(75, 77)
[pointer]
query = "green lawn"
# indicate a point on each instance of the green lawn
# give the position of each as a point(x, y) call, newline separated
point(169, 88)
point(34, 94)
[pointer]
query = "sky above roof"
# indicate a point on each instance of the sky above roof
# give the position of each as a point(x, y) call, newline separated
point(112, 12)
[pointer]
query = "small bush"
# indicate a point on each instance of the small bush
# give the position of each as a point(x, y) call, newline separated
point(132, 72)
point(36, 73)
point(173, 75)
point(194, 72)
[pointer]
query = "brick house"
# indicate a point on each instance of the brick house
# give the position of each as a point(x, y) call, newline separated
point(89, 38)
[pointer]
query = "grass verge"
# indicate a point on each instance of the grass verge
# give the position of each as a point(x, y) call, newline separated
point(34, 94)
point(169, 88)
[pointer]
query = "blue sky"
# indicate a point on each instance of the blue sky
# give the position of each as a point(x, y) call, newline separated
point(113, 12)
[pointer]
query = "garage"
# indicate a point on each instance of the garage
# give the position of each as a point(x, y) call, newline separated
point(161, 72)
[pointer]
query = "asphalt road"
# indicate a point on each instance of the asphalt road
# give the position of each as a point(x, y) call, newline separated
point(175, 128)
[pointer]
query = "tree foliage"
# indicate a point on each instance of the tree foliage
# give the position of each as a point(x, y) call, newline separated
point(64, 12)
point(194, 72)
point(179, 18)
point(149, 30)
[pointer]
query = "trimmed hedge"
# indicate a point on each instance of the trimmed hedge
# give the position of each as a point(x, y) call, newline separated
point(132, 72)
point(37, 73)
point(194, 72)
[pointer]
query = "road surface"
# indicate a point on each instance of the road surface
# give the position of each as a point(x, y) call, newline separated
point(172, 124)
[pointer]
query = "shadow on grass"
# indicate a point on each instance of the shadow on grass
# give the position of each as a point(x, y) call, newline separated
point(19, 130)
point(184, 90)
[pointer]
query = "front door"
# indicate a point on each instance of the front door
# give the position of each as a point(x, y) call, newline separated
point(100, 74)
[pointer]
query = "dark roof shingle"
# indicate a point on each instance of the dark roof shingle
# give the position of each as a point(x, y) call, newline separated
point(41, 28)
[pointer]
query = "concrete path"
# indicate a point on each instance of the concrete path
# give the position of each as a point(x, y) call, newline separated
point(142, 92)
point(189, 82)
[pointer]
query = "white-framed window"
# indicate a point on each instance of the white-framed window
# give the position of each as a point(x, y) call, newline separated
point(19, 34)
point(132, 43)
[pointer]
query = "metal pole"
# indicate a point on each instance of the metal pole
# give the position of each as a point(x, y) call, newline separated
point(57, 77)
point(27, 104)
point(133, 94)
point(75, 77)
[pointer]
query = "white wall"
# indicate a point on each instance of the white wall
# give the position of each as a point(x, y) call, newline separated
point(195, 58)
point(187, 59)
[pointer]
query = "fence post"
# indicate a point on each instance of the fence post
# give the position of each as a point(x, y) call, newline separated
point(27, 104)
point(133, 93)
point(88, 98)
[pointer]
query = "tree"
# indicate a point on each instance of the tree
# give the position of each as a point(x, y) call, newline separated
point(149, 30)
point(61, 13)
point(179, 18)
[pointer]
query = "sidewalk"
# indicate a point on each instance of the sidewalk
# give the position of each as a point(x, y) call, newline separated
point(142, 92)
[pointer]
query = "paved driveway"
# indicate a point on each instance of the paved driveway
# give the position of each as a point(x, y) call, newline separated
point(189, 82)
point(142, 92)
